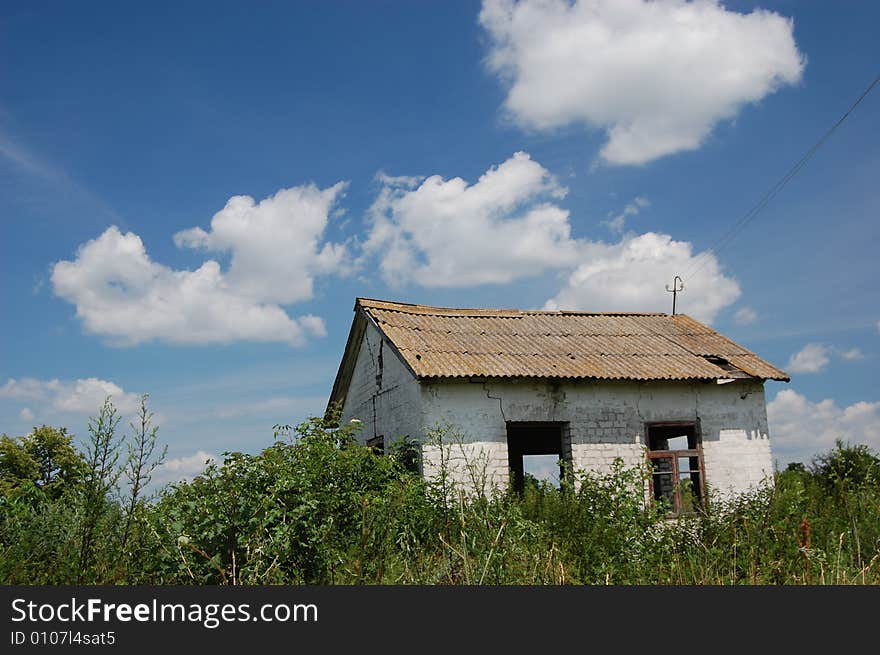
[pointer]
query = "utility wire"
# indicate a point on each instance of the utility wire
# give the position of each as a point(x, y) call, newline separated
point(737, 227)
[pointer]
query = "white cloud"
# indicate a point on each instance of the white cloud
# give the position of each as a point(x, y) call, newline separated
point(617, 223)
point(656, 76)
point(86, 396)
point(314, 325)
point(275, 244)
point(800, 428)
point(812, 358)
point(405, 181)
point(26, 415)
point(27, 388)
point(83, 396)
point(745, 316)
point(452, 234)
point(507, 225)
point(182, 468)
point(629, 276)
point(276, 250)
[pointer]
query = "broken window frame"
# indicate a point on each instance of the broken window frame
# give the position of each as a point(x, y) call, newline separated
point(692, 452)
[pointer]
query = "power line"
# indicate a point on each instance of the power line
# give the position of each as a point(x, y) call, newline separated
point(737, 227)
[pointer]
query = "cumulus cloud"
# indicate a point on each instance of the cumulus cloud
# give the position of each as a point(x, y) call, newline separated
point(276, 244)
point(628, 276)
point(276, 250)
point(438, 232)
point(26, 415)
point(447, 232)
point(182, 468)
point(745, 316)
point(812, 358)
point(656, 76)
point(800, 428)
point(83, 396)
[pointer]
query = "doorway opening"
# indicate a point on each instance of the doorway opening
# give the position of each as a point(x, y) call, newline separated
point(536, 452)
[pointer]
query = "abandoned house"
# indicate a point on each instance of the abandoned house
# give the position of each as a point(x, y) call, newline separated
point(584, 387)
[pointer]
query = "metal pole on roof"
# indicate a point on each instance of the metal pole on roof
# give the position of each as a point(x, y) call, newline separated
point(677, 285)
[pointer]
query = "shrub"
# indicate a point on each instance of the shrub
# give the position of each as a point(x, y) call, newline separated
point(847, 465)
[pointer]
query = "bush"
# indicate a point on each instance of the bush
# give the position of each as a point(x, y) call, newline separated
point(847, 465)
point(302, 511)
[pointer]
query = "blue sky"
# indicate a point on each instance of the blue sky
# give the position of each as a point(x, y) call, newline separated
point(192, 195)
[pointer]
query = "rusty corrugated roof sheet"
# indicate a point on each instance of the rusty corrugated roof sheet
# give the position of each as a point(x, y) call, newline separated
point(442, 342)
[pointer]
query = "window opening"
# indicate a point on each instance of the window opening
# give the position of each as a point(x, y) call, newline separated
point(675, 454)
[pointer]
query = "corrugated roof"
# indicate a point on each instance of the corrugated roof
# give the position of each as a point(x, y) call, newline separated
point(443, 342)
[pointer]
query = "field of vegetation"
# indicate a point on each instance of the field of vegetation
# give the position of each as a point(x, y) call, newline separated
point(315, 507)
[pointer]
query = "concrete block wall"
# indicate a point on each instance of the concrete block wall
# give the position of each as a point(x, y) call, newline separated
point(736, 444)
point(389, 406)
point(464, 413)
point(473, 467)
point(606, 420)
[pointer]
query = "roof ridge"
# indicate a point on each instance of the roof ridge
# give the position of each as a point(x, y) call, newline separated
point(430, 310)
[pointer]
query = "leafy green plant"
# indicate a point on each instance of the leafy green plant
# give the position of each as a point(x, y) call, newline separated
point(46, 458)
point(847, 465)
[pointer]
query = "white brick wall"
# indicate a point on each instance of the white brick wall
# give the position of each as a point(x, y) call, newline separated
point(477, 466)
point(606, 419)
point(396, 401)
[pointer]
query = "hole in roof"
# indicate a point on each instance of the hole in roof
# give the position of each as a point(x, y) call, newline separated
point(720, 362)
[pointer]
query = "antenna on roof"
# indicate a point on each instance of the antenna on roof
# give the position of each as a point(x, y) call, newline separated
point(677, 285)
